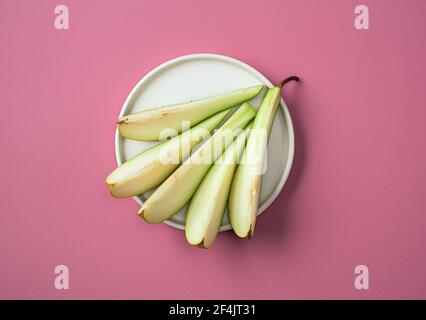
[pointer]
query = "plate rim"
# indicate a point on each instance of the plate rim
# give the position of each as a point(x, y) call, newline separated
point(243, 65)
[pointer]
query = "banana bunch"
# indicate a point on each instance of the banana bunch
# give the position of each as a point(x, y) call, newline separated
point(206, 167)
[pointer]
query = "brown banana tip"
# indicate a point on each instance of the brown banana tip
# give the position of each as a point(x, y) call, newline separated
point(122, 121)
point(201, 245)
point(286, 80)
point(251, 231)
point(250, 234)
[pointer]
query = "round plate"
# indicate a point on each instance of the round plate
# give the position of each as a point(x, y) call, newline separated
point(197, 76)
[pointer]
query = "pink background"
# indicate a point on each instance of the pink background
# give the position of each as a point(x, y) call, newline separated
point(356, 193)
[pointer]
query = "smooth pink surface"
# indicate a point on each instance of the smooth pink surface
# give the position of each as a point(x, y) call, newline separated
point(356, 193)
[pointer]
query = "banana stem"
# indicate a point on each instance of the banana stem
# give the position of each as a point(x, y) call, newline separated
point(292, 78)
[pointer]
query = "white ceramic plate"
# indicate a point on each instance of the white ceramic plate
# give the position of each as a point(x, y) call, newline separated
point(201, 75)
